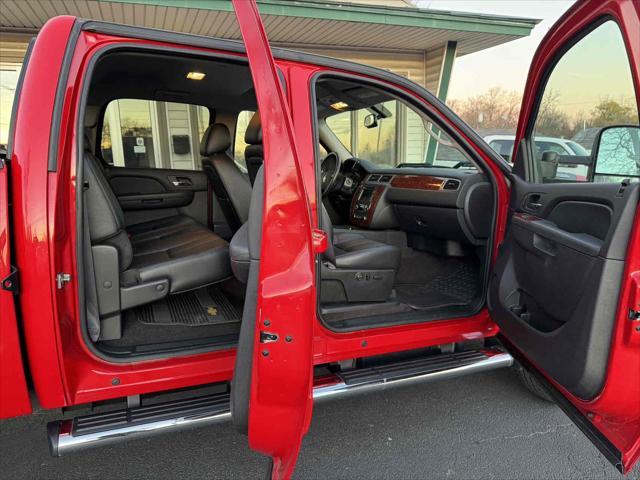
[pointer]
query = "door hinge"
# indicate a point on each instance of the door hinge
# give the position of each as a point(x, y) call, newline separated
point(10, 283)
point(62, 279)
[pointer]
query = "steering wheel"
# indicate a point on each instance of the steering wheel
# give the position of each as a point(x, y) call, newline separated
point(329, 170)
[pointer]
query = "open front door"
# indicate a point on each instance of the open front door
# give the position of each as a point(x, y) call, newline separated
point(271, 393)
point(565, 289)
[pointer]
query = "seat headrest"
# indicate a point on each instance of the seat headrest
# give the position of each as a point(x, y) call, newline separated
point(216, 139)
point(253, 135)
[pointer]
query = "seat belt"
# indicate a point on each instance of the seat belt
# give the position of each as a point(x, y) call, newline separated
point(91, 292)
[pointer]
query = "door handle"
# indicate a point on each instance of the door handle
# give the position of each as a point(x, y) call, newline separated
point(181, 183)
point(533, 202)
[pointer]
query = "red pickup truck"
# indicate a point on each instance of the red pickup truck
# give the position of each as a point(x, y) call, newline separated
point(291, 263)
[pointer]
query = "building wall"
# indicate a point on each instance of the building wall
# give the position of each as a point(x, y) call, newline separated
point(408, 64)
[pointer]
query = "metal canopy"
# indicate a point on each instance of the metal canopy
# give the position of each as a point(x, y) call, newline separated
point(303, 23)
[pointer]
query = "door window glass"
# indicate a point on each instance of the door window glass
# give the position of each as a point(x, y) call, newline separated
point(239, 145)
point(341, 126)
point(589, 88)
point(151, 134)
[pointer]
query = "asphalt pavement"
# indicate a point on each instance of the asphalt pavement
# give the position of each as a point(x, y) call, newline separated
point(485, 426)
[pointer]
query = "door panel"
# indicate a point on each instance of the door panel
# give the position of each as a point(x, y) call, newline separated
point(150, 194)
point(555, 286)
point(563, 289)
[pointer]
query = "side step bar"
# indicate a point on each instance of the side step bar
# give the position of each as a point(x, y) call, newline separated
point(439, 367)
point(80, 433)
point(68, 436)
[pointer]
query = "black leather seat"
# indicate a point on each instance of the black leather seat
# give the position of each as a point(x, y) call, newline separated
point(177, 248)
point(348, 254)
point(230, 185)
point(355, 251)
point(253, 153)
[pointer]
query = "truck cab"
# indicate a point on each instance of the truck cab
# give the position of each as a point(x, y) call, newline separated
point(185, 215)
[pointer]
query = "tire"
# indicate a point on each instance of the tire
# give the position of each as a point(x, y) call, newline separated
point(533, 385)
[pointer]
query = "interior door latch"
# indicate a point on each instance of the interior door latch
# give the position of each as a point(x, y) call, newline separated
point(62, 279)
point(10, 282)
point(266, 337)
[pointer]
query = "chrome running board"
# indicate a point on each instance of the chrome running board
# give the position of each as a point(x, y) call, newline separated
point(68, 436)
point(97, 430)
point(439, 367)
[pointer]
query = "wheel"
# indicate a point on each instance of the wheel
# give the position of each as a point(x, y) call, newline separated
point(533, 384)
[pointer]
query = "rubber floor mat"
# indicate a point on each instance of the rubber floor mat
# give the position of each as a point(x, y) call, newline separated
point(456, 288)
point(205, 306)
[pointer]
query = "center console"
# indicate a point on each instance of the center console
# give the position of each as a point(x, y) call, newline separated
point(364, 203)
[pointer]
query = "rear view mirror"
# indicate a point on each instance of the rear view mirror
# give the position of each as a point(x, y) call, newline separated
point(371, 121)
point(617, 151)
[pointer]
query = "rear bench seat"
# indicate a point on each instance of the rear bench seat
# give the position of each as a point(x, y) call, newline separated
point(153, 259)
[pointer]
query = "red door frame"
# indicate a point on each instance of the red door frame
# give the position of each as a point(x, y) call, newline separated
point(615, 412)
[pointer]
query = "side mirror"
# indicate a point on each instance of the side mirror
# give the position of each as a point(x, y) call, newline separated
point(549, 165)
point(371, 121)
point(616, 151)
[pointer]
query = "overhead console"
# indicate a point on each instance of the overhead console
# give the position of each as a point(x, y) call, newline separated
point(441, 205)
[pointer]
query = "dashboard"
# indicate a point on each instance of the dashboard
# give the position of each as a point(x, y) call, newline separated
point(436, 203)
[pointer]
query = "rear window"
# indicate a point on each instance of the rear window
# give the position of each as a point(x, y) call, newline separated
point(152, 134)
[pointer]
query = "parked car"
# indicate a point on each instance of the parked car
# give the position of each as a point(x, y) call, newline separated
point(503, 144)
point(196, 296)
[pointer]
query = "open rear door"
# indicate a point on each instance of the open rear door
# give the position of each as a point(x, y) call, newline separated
point(565, 289)
point(271, 393)
point(14, 395)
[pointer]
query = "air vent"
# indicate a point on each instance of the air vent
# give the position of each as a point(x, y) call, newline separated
point(386, 178)
point(374, 178)
point(451, 185)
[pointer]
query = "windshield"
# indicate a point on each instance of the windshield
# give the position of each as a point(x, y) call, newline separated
point(392, 134)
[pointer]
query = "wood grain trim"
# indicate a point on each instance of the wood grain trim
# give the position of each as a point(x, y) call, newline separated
point(418, 182)
point(375, 198)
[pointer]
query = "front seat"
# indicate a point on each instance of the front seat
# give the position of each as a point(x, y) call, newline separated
point(354, 268)
point(253, 153)
point(230, 185)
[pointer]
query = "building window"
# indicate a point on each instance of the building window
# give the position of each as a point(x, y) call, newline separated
point(9, 74)
point(150, 134)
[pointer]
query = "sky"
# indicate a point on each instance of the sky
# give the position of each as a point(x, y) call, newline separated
point(506, 65)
